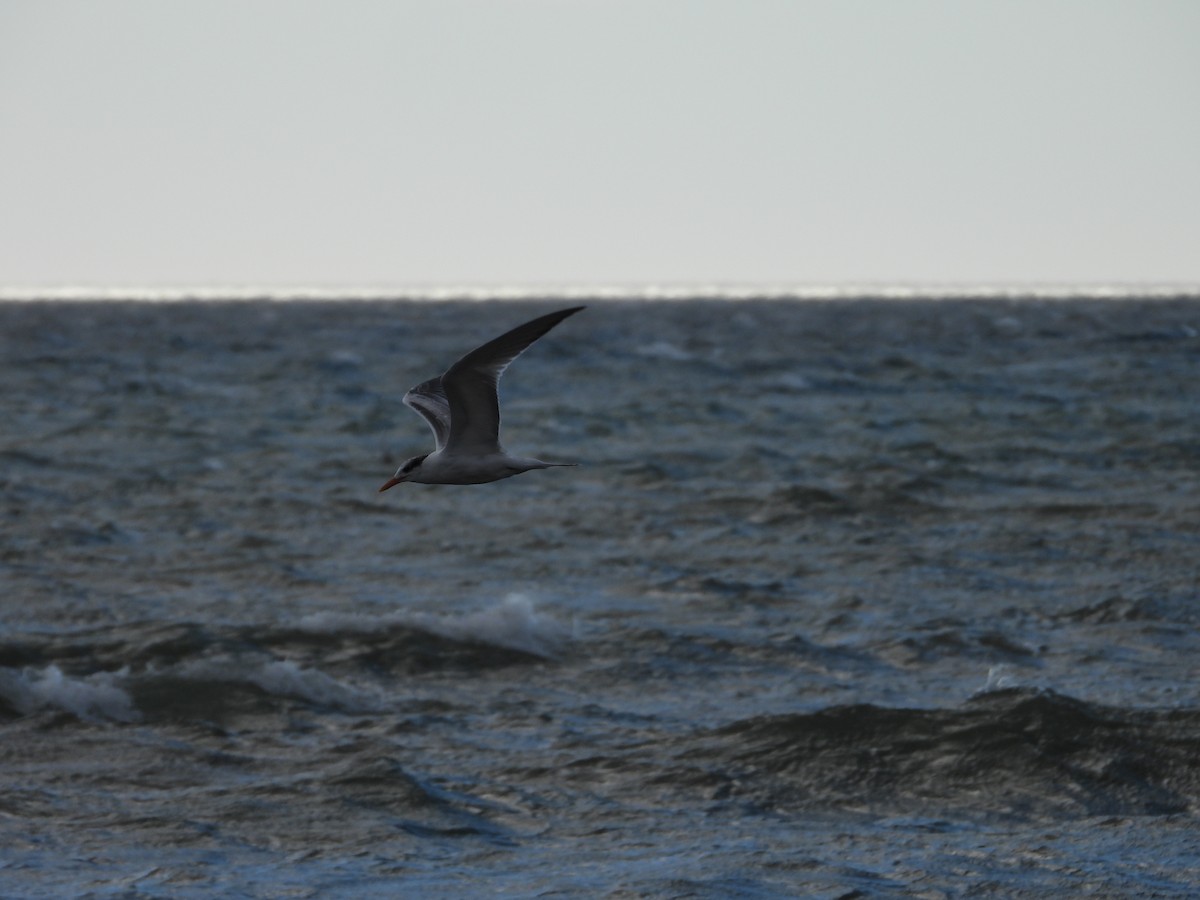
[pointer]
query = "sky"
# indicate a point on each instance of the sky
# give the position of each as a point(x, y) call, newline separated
point(598, 142)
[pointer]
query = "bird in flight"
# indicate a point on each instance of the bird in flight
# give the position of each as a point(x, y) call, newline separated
point(463, 408)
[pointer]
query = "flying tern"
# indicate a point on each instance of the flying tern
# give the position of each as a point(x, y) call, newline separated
point(463, 408)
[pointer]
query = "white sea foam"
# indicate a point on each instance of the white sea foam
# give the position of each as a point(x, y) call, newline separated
point(286, 678)
point(1002, 677)
point(513, 623)
point(665, 350)
point(282, 678)
point(793, 381)
point(94, 698)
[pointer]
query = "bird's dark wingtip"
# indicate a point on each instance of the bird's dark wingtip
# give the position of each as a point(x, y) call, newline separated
point(563, 313)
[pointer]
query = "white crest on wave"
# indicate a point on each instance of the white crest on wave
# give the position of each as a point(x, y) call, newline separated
point(513, 623)
point(94, 698)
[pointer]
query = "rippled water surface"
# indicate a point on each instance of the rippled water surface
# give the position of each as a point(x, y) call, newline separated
point(848, 599)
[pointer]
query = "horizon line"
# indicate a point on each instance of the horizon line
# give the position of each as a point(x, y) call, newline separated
point(602, 291)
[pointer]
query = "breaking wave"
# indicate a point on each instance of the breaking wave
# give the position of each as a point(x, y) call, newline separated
point(329, 660)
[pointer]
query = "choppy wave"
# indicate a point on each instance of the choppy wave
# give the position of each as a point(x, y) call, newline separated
point(892, 598)
point(190, 669)
point(1014, 753)
point(1017, 753)
point(512, 624)
point(97, 696)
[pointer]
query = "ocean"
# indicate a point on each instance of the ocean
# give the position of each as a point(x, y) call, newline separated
point(849, 597)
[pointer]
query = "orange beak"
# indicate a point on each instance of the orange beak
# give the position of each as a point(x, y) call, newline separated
point(390, 483)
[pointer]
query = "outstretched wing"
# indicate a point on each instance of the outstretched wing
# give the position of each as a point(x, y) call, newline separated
point(469, 386)
point(428, 399)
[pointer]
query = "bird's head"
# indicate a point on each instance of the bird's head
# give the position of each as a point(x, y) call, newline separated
point(404, 473)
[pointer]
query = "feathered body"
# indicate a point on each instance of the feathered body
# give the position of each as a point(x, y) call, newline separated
point(462, 407)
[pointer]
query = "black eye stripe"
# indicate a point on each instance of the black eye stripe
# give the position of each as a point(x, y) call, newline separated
point(413, 463)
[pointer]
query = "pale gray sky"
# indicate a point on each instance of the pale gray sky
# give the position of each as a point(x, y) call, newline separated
point(225, 142)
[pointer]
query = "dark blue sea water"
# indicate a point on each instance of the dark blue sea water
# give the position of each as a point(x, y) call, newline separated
point(853, 598)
